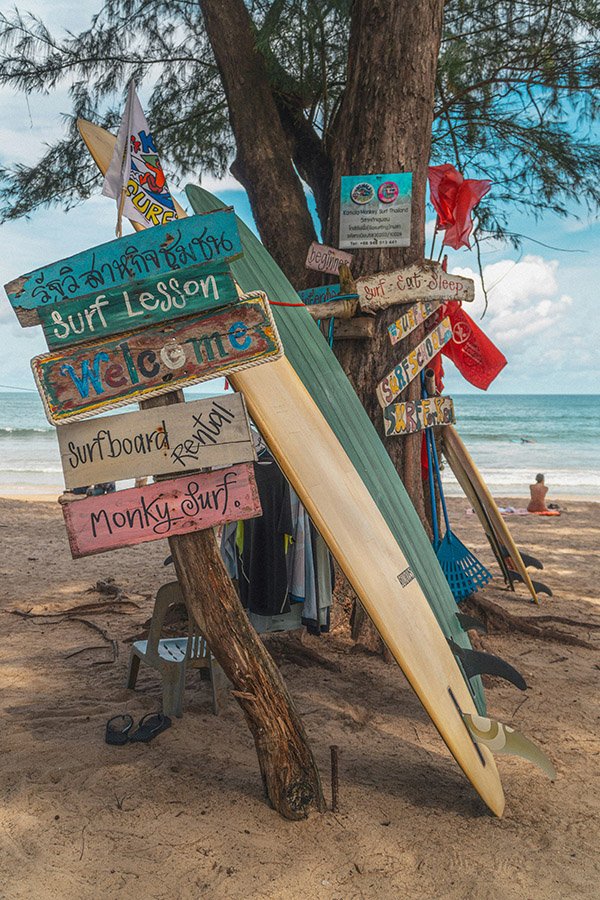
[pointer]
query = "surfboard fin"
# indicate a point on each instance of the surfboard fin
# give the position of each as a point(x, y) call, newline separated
point(527, 559)
point(538, 586)
point(502, 738)
point(470, 622)
point(474, 662)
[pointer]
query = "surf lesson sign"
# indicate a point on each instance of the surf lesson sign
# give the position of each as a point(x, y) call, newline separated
point(138, 304)
point(408, 368)
point(208, 433)
point(205, 238)
point(136, 365)
point(177, 506)
point(411, 319)
point(414, 415)
point(421, 281)
point(326, 259)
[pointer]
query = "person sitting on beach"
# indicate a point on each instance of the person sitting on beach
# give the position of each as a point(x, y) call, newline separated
point(538, 492)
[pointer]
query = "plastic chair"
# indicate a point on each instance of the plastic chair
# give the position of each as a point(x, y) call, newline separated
point(173, 656)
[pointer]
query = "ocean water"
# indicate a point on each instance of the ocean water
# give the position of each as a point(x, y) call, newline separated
point(511, 438)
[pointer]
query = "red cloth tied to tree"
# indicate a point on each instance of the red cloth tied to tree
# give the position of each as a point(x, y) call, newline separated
point(454, 199)
point(475, 356)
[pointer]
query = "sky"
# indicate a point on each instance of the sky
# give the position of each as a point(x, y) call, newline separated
point(543, 298)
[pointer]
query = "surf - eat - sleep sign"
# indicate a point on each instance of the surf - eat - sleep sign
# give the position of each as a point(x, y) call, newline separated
point(161, 510)
point(402, 374)
point(159, 298)
point(78, 383)
point(414, 415)
point(410, 319)
point(210, 237)
point(421, 281)
point(208, 433)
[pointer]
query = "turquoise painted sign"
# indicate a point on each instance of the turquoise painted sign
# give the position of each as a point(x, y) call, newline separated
point(210, 237)
point(138, 304)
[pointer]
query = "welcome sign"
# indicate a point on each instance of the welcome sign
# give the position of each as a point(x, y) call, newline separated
point(141, 364)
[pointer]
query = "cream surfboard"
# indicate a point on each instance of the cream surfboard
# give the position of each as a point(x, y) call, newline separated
point(360, 539)
point(469, 477)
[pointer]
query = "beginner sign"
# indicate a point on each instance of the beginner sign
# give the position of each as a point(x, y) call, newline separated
point(178, 506)
point(77, 384)
point(211, 433)
point(414, 415)
point(210, 237)
point(402, 374)
point(375, 210)
point(326, 259)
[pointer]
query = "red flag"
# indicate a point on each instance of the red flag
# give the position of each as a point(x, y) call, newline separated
point(474, 355)
point(454, 198)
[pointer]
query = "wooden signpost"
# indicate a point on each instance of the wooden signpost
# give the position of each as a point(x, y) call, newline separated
point(212, 237)
point(158, 298)
point(402, 374)
point(414, 415)
point(421, 281)
point(411, 319)
point(137, 365)
point(173, 439)
point(157, 511)
point(326, 259)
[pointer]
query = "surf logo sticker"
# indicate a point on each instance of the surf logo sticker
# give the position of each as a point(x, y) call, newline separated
point(502, 738)
point(406, 576)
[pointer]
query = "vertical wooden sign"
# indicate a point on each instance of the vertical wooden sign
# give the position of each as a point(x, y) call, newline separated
point(402, 374)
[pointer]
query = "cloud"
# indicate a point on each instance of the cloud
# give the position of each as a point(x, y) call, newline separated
point(524, 299)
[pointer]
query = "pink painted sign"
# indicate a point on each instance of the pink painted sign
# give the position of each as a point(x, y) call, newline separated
point(177, 506)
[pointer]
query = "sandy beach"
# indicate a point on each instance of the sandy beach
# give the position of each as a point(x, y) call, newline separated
point(184, 816)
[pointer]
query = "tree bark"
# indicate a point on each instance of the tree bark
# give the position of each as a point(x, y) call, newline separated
point(264, 154)
point(289, 772)
point(384, 125)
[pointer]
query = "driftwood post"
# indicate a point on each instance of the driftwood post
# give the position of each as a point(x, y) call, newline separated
point(289, 772)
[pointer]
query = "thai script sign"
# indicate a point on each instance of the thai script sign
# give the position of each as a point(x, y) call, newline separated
point(157, 299)
point(326, 259)
point(411, 319)
point(140, 364)
point(375, 210)
point(169, 439)
point(178, 506)
point(402, 374)
point(422, 281)
point(414, 415)
point(211, 237)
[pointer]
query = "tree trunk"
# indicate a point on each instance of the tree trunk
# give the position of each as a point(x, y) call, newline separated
point(289, 772)
point(264, 155)
point(384, 125)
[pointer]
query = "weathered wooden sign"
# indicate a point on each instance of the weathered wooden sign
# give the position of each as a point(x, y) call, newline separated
point(169, 439)
point(411, 319)
point(414, 415)
point(402, 374)
point(177, 506)
point(141, 364)
point(322, 294)
point(422, 281)
point(211, 237)
point(326, 259)
point(140, 303)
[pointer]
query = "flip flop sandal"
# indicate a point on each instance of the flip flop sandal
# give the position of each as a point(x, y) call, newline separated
point(149, 726)
point(117, 729)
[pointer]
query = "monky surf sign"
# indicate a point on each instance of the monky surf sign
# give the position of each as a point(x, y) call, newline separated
point(206, 238)
point(177, 506)
point(137, 365)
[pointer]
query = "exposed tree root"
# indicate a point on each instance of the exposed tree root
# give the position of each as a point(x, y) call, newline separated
point(500, 621)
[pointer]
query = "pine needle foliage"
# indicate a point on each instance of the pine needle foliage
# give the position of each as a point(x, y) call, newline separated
point(517, 93)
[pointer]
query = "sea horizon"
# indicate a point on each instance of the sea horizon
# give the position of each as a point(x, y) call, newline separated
point(511, 438)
